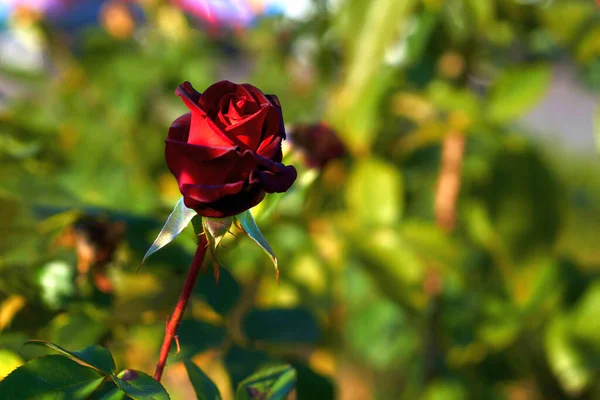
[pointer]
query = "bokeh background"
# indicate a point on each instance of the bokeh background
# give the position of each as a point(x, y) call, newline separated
point(446, 248)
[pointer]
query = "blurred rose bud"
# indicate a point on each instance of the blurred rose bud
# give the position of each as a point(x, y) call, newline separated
point(95, 242)
point(318, 142)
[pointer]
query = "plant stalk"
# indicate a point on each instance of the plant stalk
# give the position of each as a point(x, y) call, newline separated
point(186, 292)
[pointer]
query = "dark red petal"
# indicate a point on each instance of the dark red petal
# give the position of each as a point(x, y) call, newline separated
point(257, 94)
point(273, 176)
point(242, 92)
point(193, 164)
point(275, 181)
point(274, 123)
point(180, 128)
point(270, 148)
point(273, 99)
point(228, 205)
point(187, 90)
point(209, 101)
point(248, 131)
point(211, 193)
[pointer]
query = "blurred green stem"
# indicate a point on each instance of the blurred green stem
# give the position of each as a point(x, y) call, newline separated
point(186, 292)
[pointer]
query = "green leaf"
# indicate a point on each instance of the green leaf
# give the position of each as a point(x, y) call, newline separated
point(77, 328)
point(221, 297)
point(205, 388)
point(270, 383)
point(281, 325)
point(311, 385)
point(177, 221)
point(197, 336)
point(518, 90)
point(94, 356)
point(571, 366)
point(140, 386)
point(397, 340)
point(108, 390)
point(9, 361)
point(247, 222)
point(516, 172)
point(241, 362)
point(375, 176)
point(50, 377)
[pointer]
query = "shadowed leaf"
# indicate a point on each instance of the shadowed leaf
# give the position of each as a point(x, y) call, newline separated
point(205, 388)
point(269, 383)
point(95, 356)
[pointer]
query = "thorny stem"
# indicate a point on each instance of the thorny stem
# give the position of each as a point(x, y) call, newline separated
point(186, 292)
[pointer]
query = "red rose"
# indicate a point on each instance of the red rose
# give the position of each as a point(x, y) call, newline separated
point(319, 143)
point(226, 152)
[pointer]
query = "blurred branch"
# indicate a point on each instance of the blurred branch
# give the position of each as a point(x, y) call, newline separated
point(448, 185)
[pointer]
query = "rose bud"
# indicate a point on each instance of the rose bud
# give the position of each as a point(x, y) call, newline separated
point(226, 152)
point(318, 142)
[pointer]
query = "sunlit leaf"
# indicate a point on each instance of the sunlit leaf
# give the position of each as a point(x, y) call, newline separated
point(9, 360)
point(569, 364)
point(375, 178)
point(47, 377)
point(517, 91)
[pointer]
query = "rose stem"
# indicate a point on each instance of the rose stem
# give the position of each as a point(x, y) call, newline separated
point(175, 319)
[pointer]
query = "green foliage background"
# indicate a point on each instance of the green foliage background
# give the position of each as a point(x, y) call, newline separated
point(515, 303)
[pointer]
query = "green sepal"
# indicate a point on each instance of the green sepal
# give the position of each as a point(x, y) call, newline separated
point(176, 223)
point(246, 221)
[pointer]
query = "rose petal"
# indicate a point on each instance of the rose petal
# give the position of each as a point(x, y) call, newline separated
point(211, 193)
point(243, 93)
point(274, 124)
point(180, 128)
point(249, 130)
point(278, 181)
point(273, 176)
point(271, 148)
point(209, 101)
point(257, 94)
point(229, 205)
point(203, 131)
point(193, 164)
